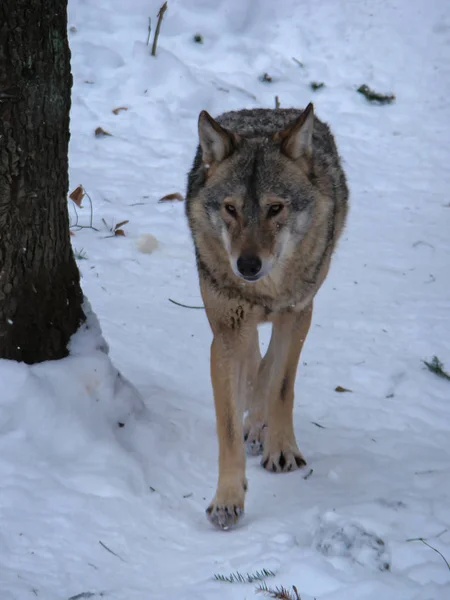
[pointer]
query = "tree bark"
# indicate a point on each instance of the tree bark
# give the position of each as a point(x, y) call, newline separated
point(40, 294)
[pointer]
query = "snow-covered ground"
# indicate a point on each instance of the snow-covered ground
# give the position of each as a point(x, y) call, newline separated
point(90, 508)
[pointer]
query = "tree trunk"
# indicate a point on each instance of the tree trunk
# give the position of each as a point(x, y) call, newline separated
point(40, 294)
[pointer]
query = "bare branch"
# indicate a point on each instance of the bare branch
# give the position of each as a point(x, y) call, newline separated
point(161, 12)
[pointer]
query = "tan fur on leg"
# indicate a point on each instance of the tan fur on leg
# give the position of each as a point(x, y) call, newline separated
point(281, 452)
point(234, 329)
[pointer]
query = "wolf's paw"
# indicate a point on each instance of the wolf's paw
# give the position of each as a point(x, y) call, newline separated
point(283, 460)
point(224, 516)
point(254, 434)
point(227, 507)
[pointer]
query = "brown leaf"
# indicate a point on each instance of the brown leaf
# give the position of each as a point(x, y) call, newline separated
point(170, 197)
point(121, 224)
point(117, 110)
point(339, 388)
point(119, 232)
point(77, 195)
point(100, 132)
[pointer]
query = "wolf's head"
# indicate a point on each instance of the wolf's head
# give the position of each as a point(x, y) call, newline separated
point(256, 192)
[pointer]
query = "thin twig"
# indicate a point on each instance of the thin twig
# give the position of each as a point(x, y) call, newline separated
point(277, 102)
point(440, 534)
point(244, 91)
point(161, 12)
point(149, 30)
point(308, 475)
point(300, 64)
point(91, 207)
point(184, 305)
point(109, 550)
point(78, 227)
point(76, 215)
point(421, 243)
point(432, 547)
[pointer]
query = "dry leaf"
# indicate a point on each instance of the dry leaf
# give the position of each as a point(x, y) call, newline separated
point(117, 110)
point(170, 197)
point(100, 132)
point(119, 232)
point(342, 389)
point(77, 195)
point(121, 224)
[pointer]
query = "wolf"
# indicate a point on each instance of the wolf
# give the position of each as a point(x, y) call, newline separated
point(266, 203)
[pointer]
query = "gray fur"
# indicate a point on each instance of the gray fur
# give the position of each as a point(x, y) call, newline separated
point(262, 123)
point(255, 167)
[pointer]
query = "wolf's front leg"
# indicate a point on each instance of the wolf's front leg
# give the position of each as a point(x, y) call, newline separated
point(227, 372)
point(256, 393)
point(289, 332)
point(228, 503)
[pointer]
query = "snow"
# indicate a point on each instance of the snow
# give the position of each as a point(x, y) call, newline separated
point(91, 508)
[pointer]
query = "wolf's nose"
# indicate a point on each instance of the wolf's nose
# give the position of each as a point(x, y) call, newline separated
point(249, 265)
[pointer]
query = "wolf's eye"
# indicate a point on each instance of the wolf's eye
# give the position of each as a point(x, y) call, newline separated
point(231, 210)
point(274, 209)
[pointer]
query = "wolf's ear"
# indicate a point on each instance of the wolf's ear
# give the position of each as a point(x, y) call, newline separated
point(296, 140)
point(216, 142)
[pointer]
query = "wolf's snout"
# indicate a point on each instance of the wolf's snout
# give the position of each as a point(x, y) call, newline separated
point(249, 265)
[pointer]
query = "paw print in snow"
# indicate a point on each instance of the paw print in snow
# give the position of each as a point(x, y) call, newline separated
point(336, 537)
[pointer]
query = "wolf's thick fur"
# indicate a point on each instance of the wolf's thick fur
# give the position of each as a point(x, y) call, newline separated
point(266, 203)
